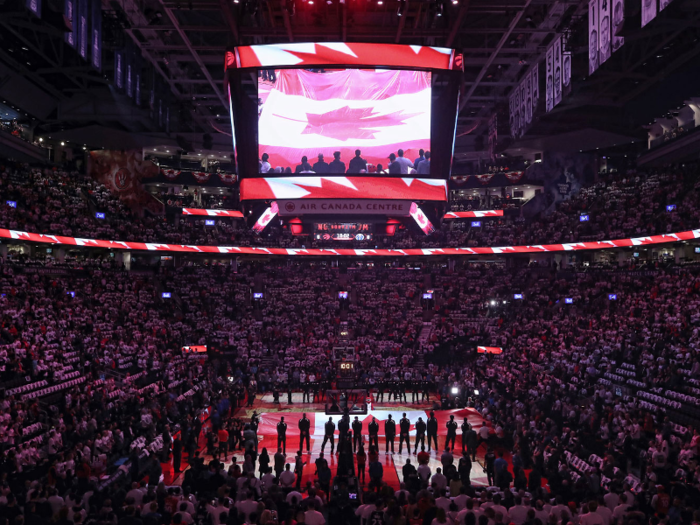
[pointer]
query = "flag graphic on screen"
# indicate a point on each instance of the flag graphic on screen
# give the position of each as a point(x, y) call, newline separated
point(304, 113)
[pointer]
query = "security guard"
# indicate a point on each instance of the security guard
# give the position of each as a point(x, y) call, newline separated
point(304, 432)
point(282, 435)
point(390, 433)
point(432, 430)
point(404, 428)
point(329, 435)
point(374, 434)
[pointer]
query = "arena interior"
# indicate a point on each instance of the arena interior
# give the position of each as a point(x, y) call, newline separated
point(349, 262)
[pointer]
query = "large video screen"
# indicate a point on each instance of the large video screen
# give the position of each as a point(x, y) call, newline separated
point(326, 115)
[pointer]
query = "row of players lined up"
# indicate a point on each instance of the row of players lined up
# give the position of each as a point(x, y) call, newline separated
point(315, 392)
point(351, 433)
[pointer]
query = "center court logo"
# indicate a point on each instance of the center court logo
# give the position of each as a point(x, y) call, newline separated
point(290, 207)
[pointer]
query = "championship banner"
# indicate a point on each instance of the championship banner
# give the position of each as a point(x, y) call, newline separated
point(517, 127)
point(648, 11)
point(593, 48)
point(604, 29)
point(549, 75)
point(378, 112)
point(557, 68)
point(394, 208)
point(96, 32)
point(523, 103)
point(312, 55)
point(618, 20)
point(119, 69)
point(212, 213)
point(262, 188)
point(82, 27)
point(535, 83)
point(528, 97)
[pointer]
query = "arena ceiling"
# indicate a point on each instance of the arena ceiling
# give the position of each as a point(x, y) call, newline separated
point(185, 40)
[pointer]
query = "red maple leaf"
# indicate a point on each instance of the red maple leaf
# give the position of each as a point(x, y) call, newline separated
point(352, 123)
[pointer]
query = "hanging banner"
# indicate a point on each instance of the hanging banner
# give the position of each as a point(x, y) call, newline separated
point(35, 7)
point(523, 104)
point(663, 4)
point(119, 69)
point(618, 20)
point(68, 8)
point(137, 89)
point(593, 47)
point(604, 30)
point(96, 21)
point(518, 117)
point(528, 97)
point(535, 83)
point(566, 73)
point(83, 41)
point(549, 75)
point(648, 11)
point(557, 69)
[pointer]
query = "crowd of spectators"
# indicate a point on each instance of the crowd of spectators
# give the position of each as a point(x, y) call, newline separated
point(593, 400)
point(595, 397)
point(625, 205)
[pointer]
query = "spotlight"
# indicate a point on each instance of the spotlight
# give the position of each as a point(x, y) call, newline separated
point(476, 392)
point(41, 139)
point(493, 303)
point(380, 2)
point(63, 143)
point(455, 390)
point(455, 2)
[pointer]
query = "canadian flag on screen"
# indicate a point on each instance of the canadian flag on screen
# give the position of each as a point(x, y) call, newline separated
point(378, 112)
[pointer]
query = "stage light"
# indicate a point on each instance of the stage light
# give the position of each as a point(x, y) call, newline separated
point(380, 2)
point(476, 392)
point(493, 303)
point(63, 143)
point(41, 139)
point(455, 390)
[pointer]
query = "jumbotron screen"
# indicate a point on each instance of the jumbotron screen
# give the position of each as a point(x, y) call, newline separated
point(326, 113)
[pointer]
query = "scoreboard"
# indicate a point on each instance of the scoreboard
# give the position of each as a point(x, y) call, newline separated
point(345, 231)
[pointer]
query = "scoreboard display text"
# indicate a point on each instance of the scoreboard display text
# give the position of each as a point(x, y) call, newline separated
point(346, 368)
point(346, 231)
